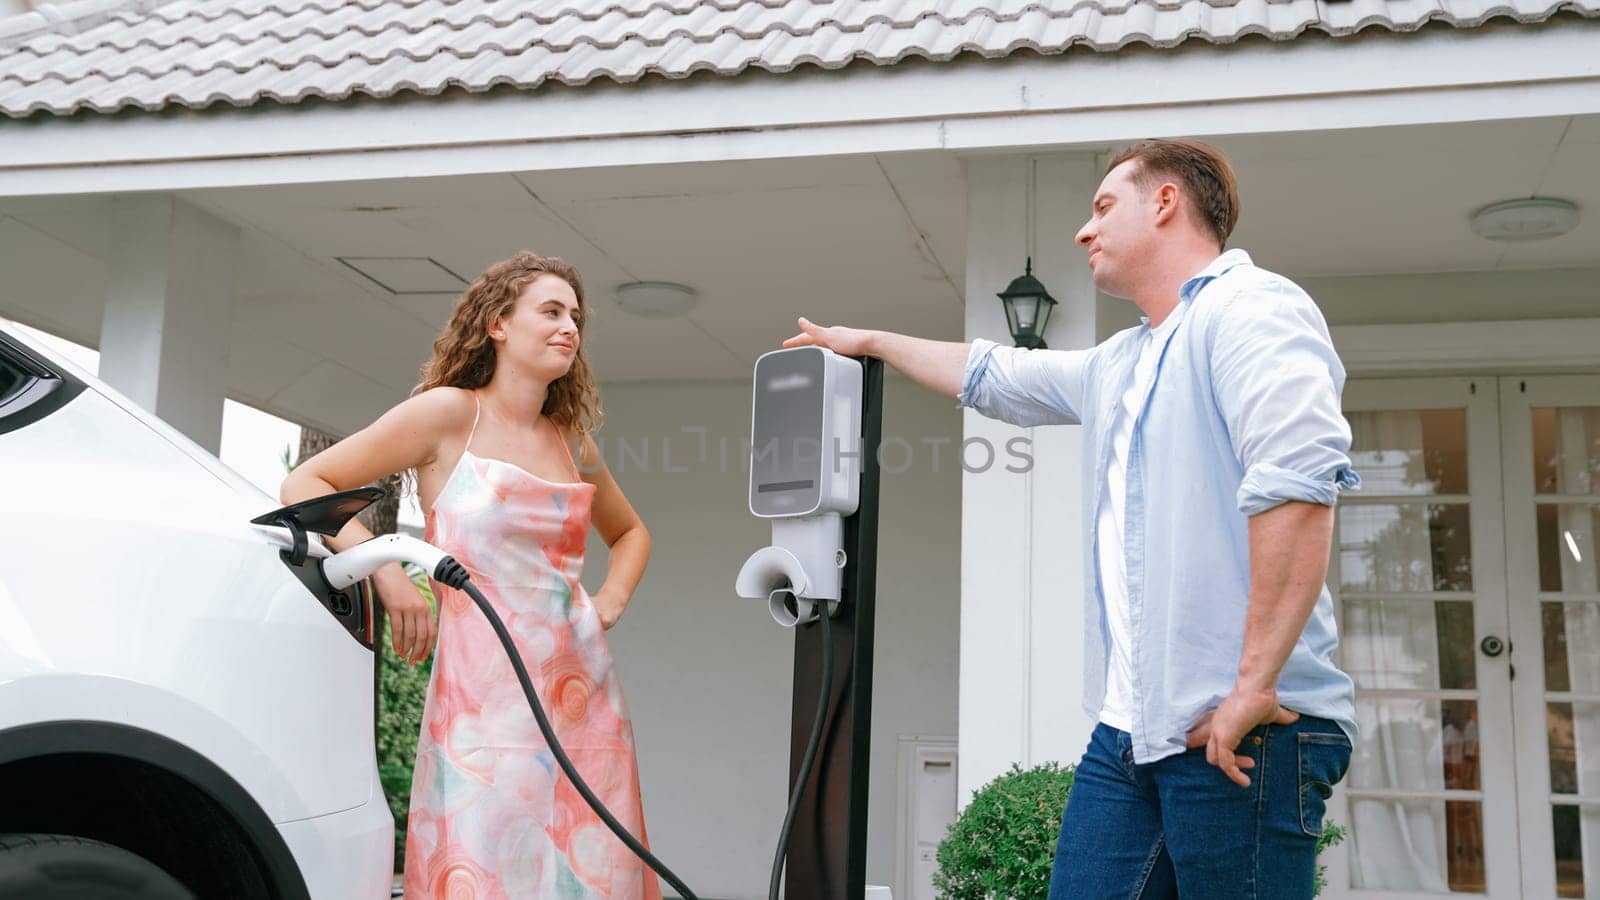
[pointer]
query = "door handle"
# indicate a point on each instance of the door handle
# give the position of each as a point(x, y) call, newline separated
point(1492, 646)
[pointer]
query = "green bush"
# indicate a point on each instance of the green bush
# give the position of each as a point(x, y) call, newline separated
point(1003, 844)
point(1332, 836)
point(402, 689)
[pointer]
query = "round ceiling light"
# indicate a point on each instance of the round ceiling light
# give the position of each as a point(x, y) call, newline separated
point(656, 299)
point(1532, 219)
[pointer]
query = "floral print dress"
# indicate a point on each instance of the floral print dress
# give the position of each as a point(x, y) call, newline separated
point(492, 814)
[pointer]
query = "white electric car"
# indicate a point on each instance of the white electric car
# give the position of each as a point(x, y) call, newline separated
point(180, 714)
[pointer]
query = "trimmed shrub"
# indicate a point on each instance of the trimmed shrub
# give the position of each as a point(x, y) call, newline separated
point(1004, 842)
point(1332, 836)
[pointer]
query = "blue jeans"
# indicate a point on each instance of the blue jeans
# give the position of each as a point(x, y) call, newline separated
point(1178, 827)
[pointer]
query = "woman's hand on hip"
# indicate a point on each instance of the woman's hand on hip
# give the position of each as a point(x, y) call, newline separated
point(609, 605)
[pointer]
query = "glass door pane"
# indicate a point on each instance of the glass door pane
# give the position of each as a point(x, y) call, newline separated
point(1418, 578)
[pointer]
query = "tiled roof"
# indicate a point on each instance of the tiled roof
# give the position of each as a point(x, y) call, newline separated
point(105, 55)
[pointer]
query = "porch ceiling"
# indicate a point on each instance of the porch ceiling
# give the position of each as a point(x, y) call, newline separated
point(877, 241)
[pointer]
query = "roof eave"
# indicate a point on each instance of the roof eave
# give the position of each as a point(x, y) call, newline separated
point(1255, 85)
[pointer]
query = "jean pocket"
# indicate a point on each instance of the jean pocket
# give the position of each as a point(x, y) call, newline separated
point(1324, 758)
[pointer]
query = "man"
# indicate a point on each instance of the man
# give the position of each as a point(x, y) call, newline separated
point(1215, 450)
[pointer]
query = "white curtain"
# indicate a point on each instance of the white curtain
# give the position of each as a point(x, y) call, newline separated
point(1396, 845)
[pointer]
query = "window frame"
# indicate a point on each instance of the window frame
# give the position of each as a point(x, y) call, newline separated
point(45, 387)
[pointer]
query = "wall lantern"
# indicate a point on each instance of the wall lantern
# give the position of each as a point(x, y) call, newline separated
point(1028, 307)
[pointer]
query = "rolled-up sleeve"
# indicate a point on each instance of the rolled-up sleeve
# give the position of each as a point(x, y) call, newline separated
point(1025, 387)
point(1277, 382)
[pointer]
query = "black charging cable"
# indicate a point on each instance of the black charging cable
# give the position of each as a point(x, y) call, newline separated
point(810, 756)
point(452, 573)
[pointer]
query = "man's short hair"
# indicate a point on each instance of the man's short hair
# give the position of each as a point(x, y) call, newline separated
point(1200, 169)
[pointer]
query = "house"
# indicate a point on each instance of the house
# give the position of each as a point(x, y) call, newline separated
point(277, 200)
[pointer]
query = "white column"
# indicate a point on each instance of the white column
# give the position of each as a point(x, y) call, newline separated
point(1021, 541)
point(165, 335)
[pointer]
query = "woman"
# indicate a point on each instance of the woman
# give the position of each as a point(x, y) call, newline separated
point(487, 435)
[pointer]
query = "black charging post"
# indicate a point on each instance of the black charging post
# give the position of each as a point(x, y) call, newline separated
point(828, 848)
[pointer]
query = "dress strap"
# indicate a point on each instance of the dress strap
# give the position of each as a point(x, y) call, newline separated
point(563, 437)
point(477, 410)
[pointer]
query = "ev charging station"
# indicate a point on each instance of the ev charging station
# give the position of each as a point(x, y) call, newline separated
point(816, 421)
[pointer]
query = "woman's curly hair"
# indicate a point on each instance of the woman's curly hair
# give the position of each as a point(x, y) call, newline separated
point(464, 355)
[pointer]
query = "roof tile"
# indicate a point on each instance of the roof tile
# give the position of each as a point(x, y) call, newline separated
point(106, 55)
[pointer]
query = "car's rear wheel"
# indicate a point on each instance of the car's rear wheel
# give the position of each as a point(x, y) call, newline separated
point(65, 867)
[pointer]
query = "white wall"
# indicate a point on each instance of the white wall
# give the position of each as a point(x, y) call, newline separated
point(708, 675)
point(1022, 604)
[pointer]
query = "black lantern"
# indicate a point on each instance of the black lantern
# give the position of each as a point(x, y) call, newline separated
point(1028, 307)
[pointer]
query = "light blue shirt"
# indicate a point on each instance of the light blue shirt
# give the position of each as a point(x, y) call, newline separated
point(1242, 415)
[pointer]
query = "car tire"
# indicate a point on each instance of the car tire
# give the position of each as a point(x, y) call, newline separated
point(65, 867)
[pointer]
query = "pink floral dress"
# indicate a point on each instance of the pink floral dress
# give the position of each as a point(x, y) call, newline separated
point(492, 815)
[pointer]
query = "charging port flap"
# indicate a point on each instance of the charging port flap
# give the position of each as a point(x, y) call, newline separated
point(327, 515)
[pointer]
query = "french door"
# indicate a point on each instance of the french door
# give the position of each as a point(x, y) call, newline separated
point(1469, 609)
point(1551, 436)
